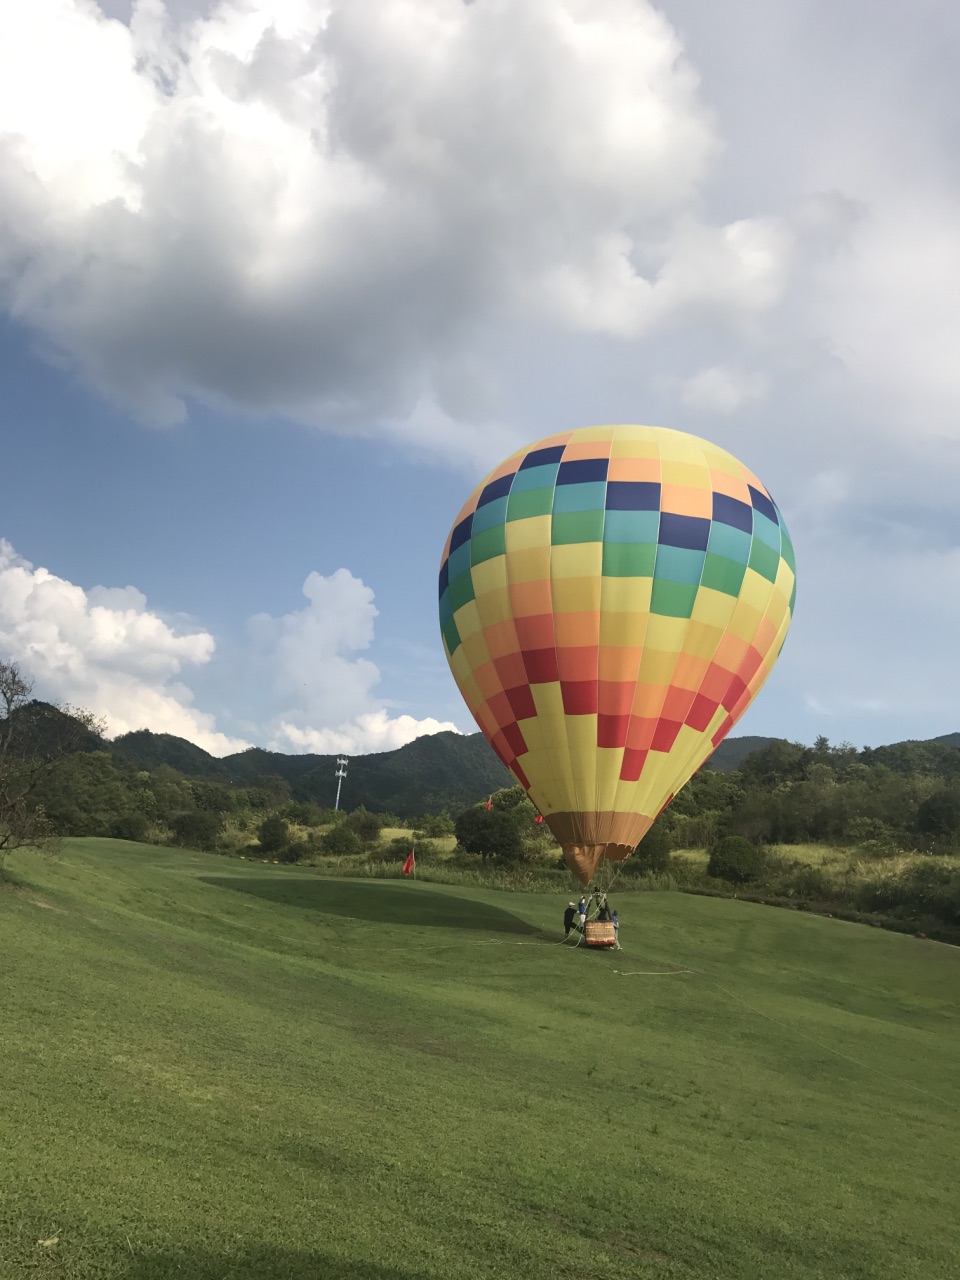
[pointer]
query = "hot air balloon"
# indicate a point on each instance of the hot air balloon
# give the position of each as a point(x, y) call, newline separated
point(611, 601)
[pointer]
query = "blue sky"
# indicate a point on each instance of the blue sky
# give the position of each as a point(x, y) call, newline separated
point(280, 282)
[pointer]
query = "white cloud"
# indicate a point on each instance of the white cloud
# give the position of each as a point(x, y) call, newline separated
point(104, 650)
point(323, 690)
point(311, 209)
point(301, 682)
point(722, 390)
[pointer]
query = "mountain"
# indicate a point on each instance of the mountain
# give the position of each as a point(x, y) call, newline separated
point(145, 750)
point(443, 771)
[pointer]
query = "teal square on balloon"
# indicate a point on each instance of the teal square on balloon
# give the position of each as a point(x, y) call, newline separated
point(488, 517)
point(679, 564)
point(732, 544)
point(767, 531)
point(631, 526)
point(580, 497)
point(544, 477)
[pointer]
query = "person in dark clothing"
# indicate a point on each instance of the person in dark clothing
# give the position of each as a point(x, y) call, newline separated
point(569, 916)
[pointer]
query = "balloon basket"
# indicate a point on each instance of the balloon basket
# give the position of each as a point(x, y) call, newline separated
point(599, 933)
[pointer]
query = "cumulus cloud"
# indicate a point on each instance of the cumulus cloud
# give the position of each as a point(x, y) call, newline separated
point(301, 684)
point(104, 650)
point(310, 663)
point(312, 209)
point(722, 390)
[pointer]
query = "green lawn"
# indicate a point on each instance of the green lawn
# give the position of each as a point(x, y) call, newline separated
point(214, 1070)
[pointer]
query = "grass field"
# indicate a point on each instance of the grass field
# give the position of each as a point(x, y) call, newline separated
point(216, 1070)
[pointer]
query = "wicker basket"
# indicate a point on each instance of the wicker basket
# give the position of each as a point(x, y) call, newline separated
point(599, 933)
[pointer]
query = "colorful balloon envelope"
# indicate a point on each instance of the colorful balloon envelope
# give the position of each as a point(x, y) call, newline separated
point(611, 601)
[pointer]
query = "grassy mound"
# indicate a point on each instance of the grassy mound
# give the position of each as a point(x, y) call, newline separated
point(217, 1070)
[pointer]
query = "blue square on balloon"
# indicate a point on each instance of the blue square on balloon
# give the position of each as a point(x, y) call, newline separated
point(690, 532)
point(729, 511)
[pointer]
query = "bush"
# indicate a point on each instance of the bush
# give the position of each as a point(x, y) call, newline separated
point(435, 825)
point(365, 826)
point(736, 859)
point(398, 850)
point(196, 829)
point(340, 840)
point(273, 833)
point(293, 852)
point(130, 826)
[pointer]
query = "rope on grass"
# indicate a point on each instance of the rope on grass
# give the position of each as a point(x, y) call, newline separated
point(649, 973)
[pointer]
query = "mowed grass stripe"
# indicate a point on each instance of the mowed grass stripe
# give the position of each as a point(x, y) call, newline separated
point(214, 1069)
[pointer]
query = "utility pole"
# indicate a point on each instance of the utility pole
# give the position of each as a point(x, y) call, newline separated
point(340, 775)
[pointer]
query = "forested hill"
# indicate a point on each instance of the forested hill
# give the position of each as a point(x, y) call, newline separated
point(442, 771)
point(445, 771)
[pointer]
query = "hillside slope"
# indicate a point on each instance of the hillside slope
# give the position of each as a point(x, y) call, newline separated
point(218, 1069)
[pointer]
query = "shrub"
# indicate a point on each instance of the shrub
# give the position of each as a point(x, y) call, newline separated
point(398, 850)
point(365, 826)
point(340, 840)
point(130, 826)
point(273, 833)
point(195, 829)
point(736, 859)
point(293, 852)
point(435, 825)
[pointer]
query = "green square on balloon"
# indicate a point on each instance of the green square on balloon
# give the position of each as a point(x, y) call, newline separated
point(722, 574)
point(673, 599)
point(629, 559)
point(451, 635)
point(576, 526)
point(764, 560)
point(486, 545)
point(461, 591)
point(529, 502)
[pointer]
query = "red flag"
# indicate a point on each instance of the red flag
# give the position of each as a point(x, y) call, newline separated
point(489, 803)
point(538, 818)
point(410, 864)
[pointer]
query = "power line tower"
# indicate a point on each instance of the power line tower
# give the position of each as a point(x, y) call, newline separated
point(340, 775)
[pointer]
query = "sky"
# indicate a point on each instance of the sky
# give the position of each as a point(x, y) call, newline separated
point(281, 280)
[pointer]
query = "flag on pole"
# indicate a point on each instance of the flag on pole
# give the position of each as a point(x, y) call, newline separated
point(489, 803)
point(538, 819)
point(410, 864)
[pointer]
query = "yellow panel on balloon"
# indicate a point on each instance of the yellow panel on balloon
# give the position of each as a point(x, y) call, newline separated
point(520, 535)
point(575, 560)
point(627, 595)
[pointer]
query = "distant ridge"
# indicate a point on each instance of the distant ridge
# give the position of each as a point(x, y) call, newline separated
point(732, 752)
point(441, 771)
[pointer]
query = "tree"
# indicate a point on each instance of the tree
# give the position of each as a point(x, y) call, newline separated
point(736, 859)
point(196, 829)
point(653, 852)
point(494, 832)
point(340, 841)
point(35, 739)
point(365, 826)
point(273, 833)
